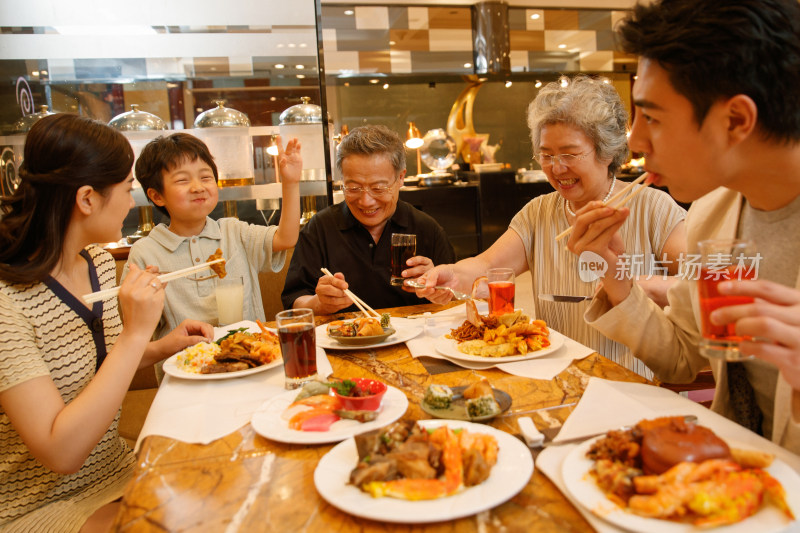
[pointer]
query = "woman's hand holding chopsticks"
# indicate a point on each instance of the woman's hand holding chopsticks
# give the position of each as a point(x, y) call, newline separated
point(141, 300)
point(625, 195)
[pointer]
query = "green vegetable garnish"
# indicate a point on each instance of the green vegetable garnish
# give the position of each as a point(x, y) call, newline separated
point(345, 387)
point(230, 332)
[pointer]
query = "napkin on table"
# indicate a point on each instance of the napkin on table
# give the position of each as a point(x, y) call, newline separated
point(546, 367)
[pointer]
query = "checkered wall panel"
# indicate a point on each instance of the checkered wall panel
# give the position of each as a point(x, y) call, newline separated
point(394, 39)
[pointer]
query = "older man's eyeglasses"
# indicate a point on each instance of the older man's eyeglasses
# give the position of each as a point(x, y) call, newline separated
point(547, 160)
point(376, 191)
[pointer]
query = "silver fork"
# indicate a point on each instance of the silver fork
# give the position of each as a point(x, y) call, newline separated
point(458, 295)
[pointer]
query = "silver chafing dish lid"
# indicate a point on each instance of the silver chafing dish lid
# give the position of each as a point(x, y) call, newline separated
point(136, 120)
point(304, 113)
point(221, 117)
point(25, 123)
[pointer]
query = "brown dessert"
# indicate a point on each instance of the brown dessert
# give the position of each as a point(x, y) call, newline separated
point(675, 441)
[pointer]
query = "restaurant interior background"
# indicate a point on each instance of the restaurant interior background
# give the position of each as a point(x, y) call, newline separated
point(383, 62)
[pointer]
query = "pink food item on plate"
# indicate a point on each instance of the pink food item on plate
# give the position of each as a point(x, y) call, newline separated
point(319, 423)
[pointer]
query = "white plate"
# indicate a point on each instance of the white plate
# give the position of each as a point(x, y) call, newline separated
point(581, 485)
point(268, 423)
point(449, 347)
point(511, 473)
point(171, 368)
point(405, 329)
point(171, 365)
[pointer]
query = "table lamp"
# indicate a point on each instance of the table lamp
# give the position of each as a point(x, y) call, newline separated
point(414, 141)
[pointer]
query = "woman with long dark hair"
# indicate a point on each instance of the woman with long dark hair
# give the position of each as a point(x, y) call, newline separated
point(65, 366)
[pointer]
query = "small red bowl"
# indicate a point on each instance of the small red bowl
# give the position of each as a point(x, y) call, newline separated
point(364, 403)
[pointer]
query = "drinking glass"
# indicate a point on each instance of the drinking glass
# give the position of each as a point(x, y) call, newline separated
point(723, 260)
point(404, 247)
point(230, 299)
point(501, 290)
point(298, 346)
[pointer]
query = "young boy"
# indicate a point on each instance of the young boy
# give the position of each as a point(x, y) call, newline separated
point(179, 176)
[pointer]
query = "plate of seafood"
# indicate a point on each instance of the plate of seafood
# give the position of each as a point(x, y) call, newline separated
point(447, 469)
point(366, 333)
point(669, 475)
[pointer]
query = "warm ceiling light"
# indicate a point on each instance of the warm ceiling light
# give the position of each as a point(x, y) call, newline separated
point(44, 73)
point(374, 81)
point(606, 81)
point(537, 84)
point(280, 65)
point(299, 67)
point(562, 45)
point(385, 85)
point(272, 98)
point(636, 77)
point(35, 73)
point(564, 82)
point(535, 16)
point(508, 84)
point(467, 65)
point(301, 76)
point(392, 43)
point(292, 45)
point(348, 11)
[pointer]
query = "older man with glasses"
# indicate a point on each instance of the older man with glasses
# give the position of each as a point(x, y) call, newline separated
point(353, 239)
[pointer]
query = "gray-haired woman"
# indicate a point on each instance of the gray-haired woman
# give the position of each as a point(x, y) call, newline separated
point(578, 130)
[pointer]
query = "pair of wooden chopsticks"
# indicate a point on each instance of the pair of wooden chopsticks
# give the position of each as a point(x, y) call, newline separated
point(105, 294)
point(616, 197)
point(361, 304)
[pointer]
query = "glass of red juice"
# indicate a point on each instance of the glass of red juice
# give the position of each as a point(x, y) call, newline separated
point(298, 346)
point(404, 247)
point(501, 290)
point(723, 260)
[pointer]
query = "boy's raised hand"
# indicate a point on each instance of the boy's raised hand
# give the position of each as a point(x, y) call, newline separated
point(290, 161)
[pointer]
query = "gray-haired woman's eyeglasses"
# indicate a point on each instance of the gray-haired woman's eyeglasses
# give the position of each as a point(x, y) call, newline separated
point(547, 160)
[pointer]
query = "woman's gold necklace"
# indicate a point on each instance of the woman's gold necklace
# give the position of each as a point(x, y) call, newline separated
point(610, 190)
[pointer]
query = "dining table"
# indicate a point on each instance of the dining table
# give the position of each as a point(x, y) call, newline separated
point(242, 481)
